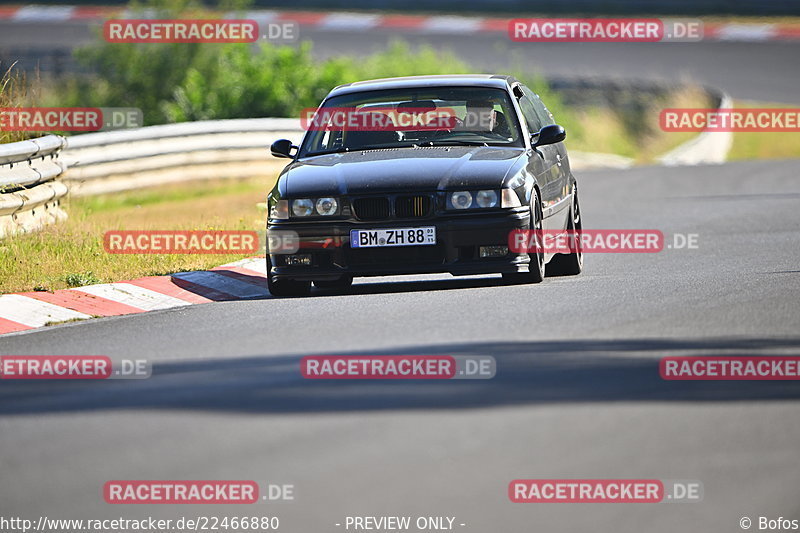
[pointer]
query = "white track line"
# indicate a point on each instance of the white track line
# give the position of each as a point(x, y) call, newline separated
point(746, 32)
point(34, 313)
point(263, 14)
point(349, 21)
point(138, 297)
point(452, 24)
point(43, 13)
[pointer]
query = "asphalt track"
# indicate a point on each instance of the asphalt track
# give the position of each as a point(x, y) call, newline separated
point(763, 71)
point(577, 392)
point(748, 70)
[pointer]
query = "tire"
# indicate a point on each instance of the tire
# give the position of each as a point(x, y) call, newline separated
point(286, 287)
point(570, 264)
point(342, 283)
point(537, 266)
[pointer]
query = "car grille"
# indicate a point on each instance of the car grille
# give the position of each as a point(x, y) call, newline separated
point(371, 208)
point(412, 206)
point(377, 207)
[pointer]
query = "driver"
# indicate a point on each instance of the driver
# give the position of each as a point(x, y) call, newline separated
point(480, 116)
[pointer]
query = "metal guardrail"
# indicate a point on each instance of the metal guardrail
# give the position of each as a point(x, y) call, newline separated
point(121, 160)
point(30, 196)
point(114, 161)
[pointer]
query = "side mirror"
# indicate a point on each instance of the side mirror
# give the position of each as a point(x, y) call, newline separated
point(282, 148)
point(551, 134)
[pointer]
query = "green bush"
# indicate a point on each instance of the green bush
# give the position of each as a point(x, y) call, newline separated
point(186, 82)
point(239, 82)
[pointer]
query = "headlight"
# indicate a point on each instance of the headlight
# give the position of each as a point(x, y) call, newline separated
point(280, 210)
point(327, 206)
point(486, 198)
point(461, 199)
point(303, 207)
point(510, 199)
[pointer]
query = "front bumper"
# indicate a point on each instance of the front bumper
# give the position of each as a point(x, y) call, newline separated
point(456, 250)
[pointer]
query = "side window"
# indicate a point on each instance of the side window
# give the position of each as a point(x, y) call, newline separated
point(544, 115)
point(531, 117)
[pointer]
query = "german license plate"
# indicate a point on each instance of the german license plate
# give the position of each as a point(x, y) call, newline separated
point(374, 238)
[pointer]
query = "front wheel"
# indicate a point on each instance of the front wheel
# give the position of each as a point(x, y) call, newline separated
point(570, 264)
point(536, 267)
point(286, 287)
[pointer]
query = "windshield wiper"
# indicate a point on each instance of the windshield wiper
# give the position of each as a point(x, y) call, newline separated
point(454, 143)
point(359, 149)
point(326, 152)
point(389, 147)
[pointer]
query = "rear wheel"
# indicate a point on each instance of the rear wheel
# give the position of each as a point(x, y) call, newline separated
point(286, 287)
point(536, 266)
point(570, 264)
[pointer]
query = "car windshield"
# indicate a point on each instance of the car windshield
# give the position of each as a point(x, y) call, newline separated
point(430, 116)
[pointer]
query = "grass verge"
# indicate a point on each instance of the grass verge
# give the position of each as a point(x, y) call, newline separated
point(763, 144)
point(71, 254)
point(631, 130)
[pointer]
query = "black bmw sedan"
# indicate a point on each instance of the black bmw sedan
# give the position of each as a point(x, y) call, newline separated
point(420, 175)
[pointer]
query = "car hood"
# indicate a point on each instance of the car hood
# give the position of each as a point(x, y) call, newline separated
point(400, 169)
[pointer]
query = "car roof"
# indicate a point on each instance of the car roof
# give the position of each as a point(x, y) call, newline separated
point(447, 80)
